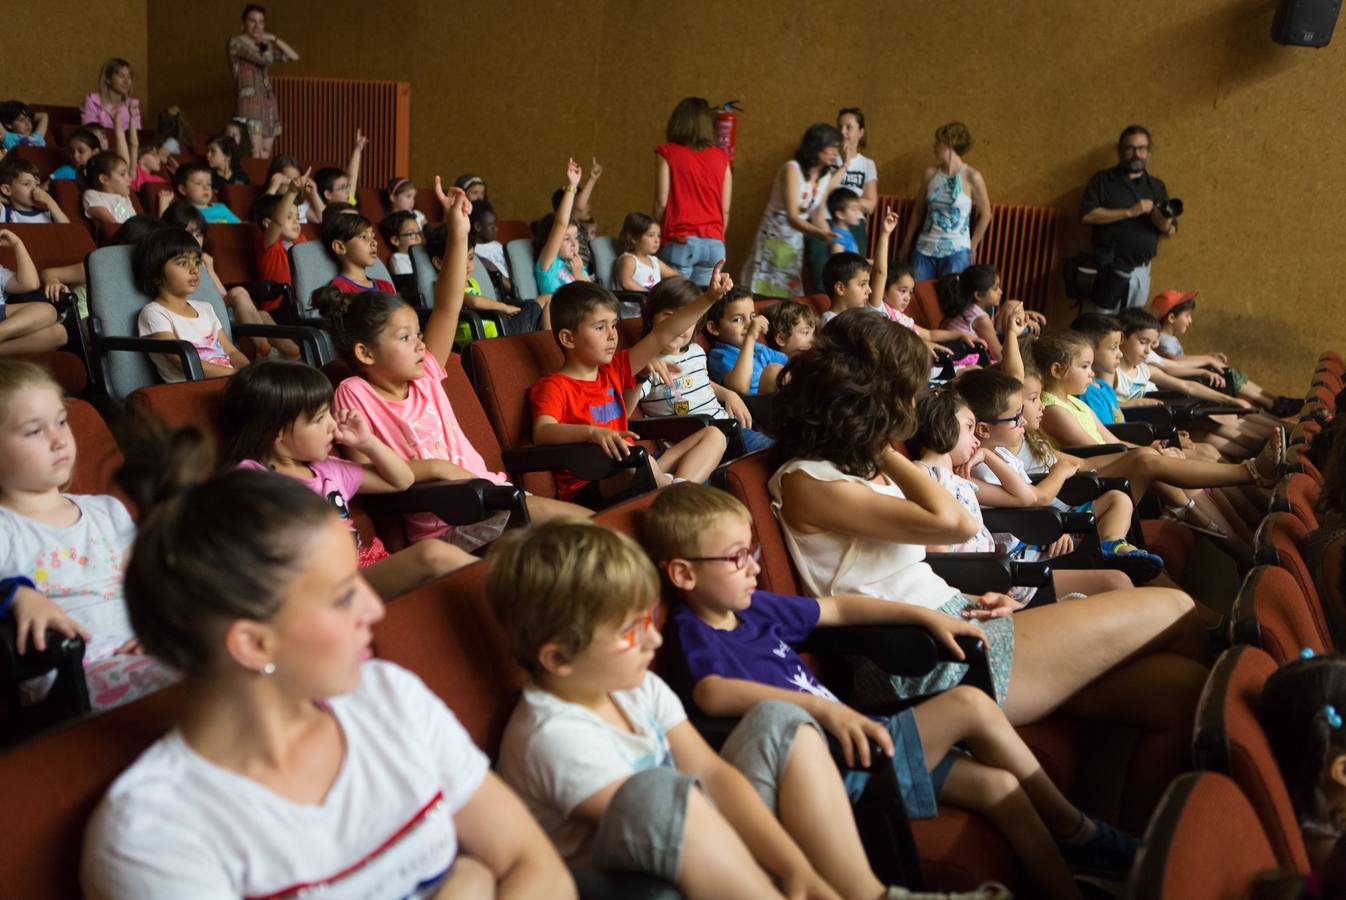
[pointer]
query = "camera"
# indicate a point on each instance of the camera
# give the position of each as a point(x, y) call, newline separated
point(1172, 209)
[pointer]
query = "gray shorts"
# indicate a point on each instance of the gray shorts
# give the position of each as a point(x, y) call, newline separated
point(642, 829)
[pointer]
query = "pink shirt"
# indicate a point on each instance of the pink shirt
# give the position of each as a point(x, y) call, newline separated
point(421, 426)
point(336, 480)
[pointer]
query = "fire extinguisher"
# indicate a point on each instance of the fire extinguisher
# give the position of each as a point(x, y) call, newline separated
point(726, 128)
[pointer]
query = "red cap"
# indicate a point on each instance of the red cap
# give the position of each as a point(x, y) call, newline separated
point(1163, 304)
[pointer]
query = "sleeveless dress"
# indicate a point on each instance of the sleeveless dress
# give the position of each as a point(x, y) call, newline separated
point(830, 563)
point(775, 268)
point(1077, 411)
point(948, 217)
point(647, 276)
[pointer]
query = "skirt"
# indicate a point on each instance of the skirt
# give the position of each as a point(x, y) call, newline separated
point(999, 640)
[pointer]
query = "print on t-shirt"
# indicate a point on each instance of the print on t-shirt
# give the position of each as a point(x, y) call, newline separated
point(612, 410)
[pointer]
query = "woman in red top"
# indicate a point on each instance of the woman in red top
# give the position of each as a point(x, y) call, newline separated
point(694, 187)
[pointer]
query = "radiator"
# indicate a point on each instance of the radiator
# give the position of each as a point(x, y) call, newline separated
point(320, 115)
point(1021, 243)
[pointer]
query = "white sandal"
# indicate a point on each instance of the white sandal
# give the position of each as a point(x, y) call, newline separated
point(1183, 515)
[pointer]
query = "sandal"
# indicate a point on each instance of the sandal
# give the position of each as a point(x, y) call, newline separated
point(1184, 515)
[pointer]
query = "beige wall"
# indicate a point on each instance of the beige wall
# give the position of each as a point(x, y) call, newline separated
point(1246, 132)
point(64, 45)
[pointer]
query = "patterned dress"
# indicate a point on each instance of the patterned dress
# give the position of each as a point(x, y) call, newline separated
point(775, 268)
point(256, 103)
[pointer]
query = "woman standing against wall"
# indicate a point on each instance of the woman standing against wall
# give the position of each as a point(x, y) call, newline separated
point(693, 187)
point(113, 96)
point(798, 200)
point(250, 55)
point(947, 243)
point(859, 174)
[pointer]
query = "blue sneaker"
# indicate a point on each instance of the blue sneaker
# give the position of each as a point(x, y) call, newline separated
point(1141, 566)
point(1107, 856)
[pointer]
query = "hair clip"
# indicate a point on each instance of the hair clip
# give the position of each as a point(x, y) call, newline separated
point(1330, 714)
point(1306, 653)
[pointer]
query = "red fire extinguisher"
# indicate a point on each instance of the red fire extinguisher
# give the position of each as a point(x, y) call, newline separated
point(726, 128)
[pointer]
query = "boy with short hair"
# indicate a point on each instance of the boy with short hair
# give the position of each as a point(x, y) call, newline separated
point(583, 402)
point(792, 327)
point(740, 360)
point(335, 186)
point(845, 210)
point(24, 200)
point(601, 752)
point(998, 402)
point(735, 642)
point(277, 217)
point(350, 240)
point(22, 126)
point(194, 184)
point(522, 318)
point(845, 280)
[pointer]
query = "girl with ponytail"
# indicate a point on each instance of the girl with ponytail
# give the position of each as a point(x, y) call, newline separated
point(966, 300)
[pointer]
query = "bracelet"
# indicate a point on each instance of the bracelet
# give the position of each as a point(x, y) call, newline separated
point(8, 588)
point(569, 189)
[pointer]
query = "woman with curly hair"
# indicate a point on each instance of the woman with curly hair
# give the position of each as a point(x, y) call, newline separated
point(857, 516)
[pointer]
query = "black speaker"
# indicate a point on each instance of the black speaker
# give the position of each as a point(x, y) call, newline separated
point(1304, 23)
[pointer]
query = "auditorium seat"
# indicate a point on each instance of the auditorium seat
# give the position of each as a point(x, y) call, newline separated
point(1271, 612)
point(240, 198)
point(1229, 740)
point(1279, 541)
point(46, 159)
point(1298, 493)
point(1204, 843)
point(508, 230)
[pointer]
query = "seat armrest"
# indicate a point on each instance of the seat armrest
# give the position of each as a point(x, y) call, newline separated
point(1032, 525)
point(1034, 574)
point(1085, 451)
point(1153, 415)
point(61, 653)
point(261, 290)
point(1082, 487)
point(973, 573)
point(1135, 432)
point(904, 650)
point(183, 350)
point(585, 461)
point(456, 502)
point(1116, 483)
point(668, 428)
point(1078, 522)
point(312, 346)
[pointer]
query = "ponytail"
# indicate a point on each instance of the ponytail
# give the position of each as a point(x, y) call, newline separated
point(959, 291)
point(355, 318)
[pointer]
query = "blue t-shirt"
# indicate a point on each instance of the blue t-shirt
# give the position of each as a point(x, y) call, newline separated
point(1102, 399)
point(842, 235)
point(722, 357)
point(758, 650)
point(13, 140)
point(218, 212)
point(550, 280)
point(64, 173)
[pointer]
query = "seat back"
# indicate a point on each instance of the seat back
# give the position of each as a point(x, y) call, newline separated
point(1204, 842)
point(746, 478)
point(67, 368)
point(505, 369)
point(46, 159)
point(605, 257)
point(508, 230)
point(425, 273)
point(234, 248)
point(924, 308)
point(819, 303)
point(1279, 541)
point(428, 203)
point(311, 267)
point(370, 201)
point(241, 198)
point(519, 252)
point(68, 197)
point(483, 278)
point(194, 403)
point(446, 633)
point(115, 302)
point(97, 456)
point(472, 418)
point(50, 245)
point(1229, 740)
point(1271, 612)
point(1300, 493)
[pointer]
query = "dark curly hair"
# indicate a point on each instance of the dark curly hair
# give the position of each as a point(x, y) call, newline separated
point(850, 394)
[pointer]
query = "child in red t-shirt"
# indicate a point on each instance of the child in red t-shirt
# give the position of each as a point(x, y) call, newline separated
point(277, 216)
point(583, 401)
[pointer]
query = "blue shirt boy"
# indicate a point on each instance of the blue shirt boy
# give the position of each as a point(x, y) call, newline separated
point(722, 357)
point(1101, 397)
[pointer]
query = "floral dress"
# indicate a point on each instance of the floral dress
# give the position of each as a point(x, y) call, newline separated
point(256, 103)
point(775, 268)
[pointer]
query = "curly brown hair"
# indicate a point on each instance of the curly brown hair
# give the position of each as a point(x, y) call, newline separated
point(852, 393)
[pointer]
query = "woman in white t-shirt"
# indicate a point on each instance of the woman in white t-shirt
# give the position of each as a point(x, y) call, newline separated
point(859, 174)
point(298, 764)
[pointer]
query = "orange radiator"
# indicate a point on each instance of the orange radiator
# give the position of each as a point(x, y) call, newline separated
point(1021, 243)
point(320, 116)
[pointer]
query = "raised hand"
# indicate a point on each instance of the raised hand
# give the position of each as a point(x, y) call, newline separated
point(300, 184)
point(360, 139)
point(352, 430)
point(448, 198)
point(596, 170)
point(889, 221)
point(720, 282)
point(573, 173)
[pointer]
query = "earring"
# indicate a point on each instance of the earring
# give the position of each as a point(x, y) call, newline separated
point(269, 669)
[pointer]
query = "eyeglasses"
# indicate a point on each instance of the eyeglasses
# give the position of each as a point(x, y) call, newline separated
point(1009, 420)
point(1135, 148)
point(410, 234)
point(628, 638)
point(739, 557)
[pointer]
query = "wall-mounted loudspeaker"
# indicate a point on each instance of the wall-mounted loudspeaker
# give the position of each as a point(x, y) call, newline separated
point(1304, 23)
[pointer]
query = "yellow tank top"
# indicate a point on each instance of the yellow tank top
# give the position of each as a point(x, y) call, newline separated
point(1081, 413)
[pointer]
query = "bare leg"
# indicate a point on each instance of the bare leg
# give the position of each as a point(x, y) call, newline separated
point(1112, 512)
point(815, 811)
point(414, 566)
point(43, 340)
point(694, 457)
point(23, 319)
point(1089, 581)
point(540, 509)
point(715, 861)
point(284, 345)
point(240, 304)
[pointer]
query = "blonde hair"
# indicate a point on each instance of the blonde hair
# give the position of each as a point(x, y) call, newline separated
point(1038, 445)
point(18, 374)
point(672, 526)
point(1059, 348)
point(111, 67)
point(558, 581)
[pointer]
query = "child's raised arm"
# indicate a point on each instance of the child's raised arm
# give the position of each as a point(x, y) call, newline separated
point(878, 276)
point(25, 273)
point(353, 167)
point(582, 210)
point(451, 284)
point(739, 378)
point(119, 145)
point(1011, 357)
point(561, 222)
point(647, 348)
point(287, 202)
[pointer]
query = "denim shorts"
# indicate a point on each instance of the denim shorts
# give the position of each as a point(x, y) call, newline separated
point(694, 259)
point(924, 268)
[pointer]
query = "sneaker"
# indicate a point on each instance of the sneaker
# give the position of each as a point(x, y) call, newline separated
point(1141, 566)
point(990, 891)
point(1107, 856)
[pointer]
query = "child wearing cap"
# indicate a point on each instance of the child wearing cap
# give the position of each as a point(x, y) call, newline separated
point(1174, 311)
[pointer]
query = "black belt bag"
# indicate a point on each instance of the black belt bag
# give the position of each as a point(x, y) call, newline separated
point(1092, 276)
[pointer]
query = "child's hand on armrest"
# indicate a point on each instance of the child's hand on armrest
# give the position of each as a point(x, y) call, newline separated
point(34, 612)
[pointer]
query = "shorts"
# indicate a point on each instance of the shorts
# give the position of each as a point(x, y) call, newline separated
point(999, 639)
point(372, 552)
point(919, 785)
point(1234, 380)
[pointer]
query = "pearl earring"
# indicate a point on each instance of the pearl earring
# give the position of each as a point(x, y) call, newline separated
point(269, 669)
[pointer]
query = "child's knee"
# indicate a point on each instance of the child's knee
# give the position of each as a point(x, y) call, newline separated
point(437, 558)
point(976, 707)
point(1119, 501)
point(714, 437)
point(643, 827)
point(761, 744)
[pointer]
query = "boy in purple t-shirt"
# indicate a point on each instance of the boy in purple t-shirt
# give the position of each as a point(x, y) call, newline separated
point(736, 641)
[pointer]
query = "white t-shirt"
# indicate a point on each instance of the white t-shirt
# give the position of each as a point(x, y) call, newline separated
point(79, 567)
point(399, 264)
point(25, 217)
point(119, 204)
point(176, 825)
point(557, 754)
point(860, 171)
point(494, 252)
point(1132, 387)
point(202, 332)
point(691, 393)
point(1004, 541)
point(645, 275)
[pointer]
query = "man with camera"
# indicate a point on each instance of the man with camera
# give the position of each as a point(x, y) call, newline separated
point(1130, 210)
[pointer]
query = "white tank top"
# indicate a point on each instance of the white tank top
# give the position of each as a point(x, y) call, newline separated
point(647, 276)
point(831, 563)
point(948, 216)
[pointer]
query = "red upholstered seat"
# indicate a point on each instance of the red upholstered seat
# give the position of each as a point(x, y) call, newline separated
point(1272, 613)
